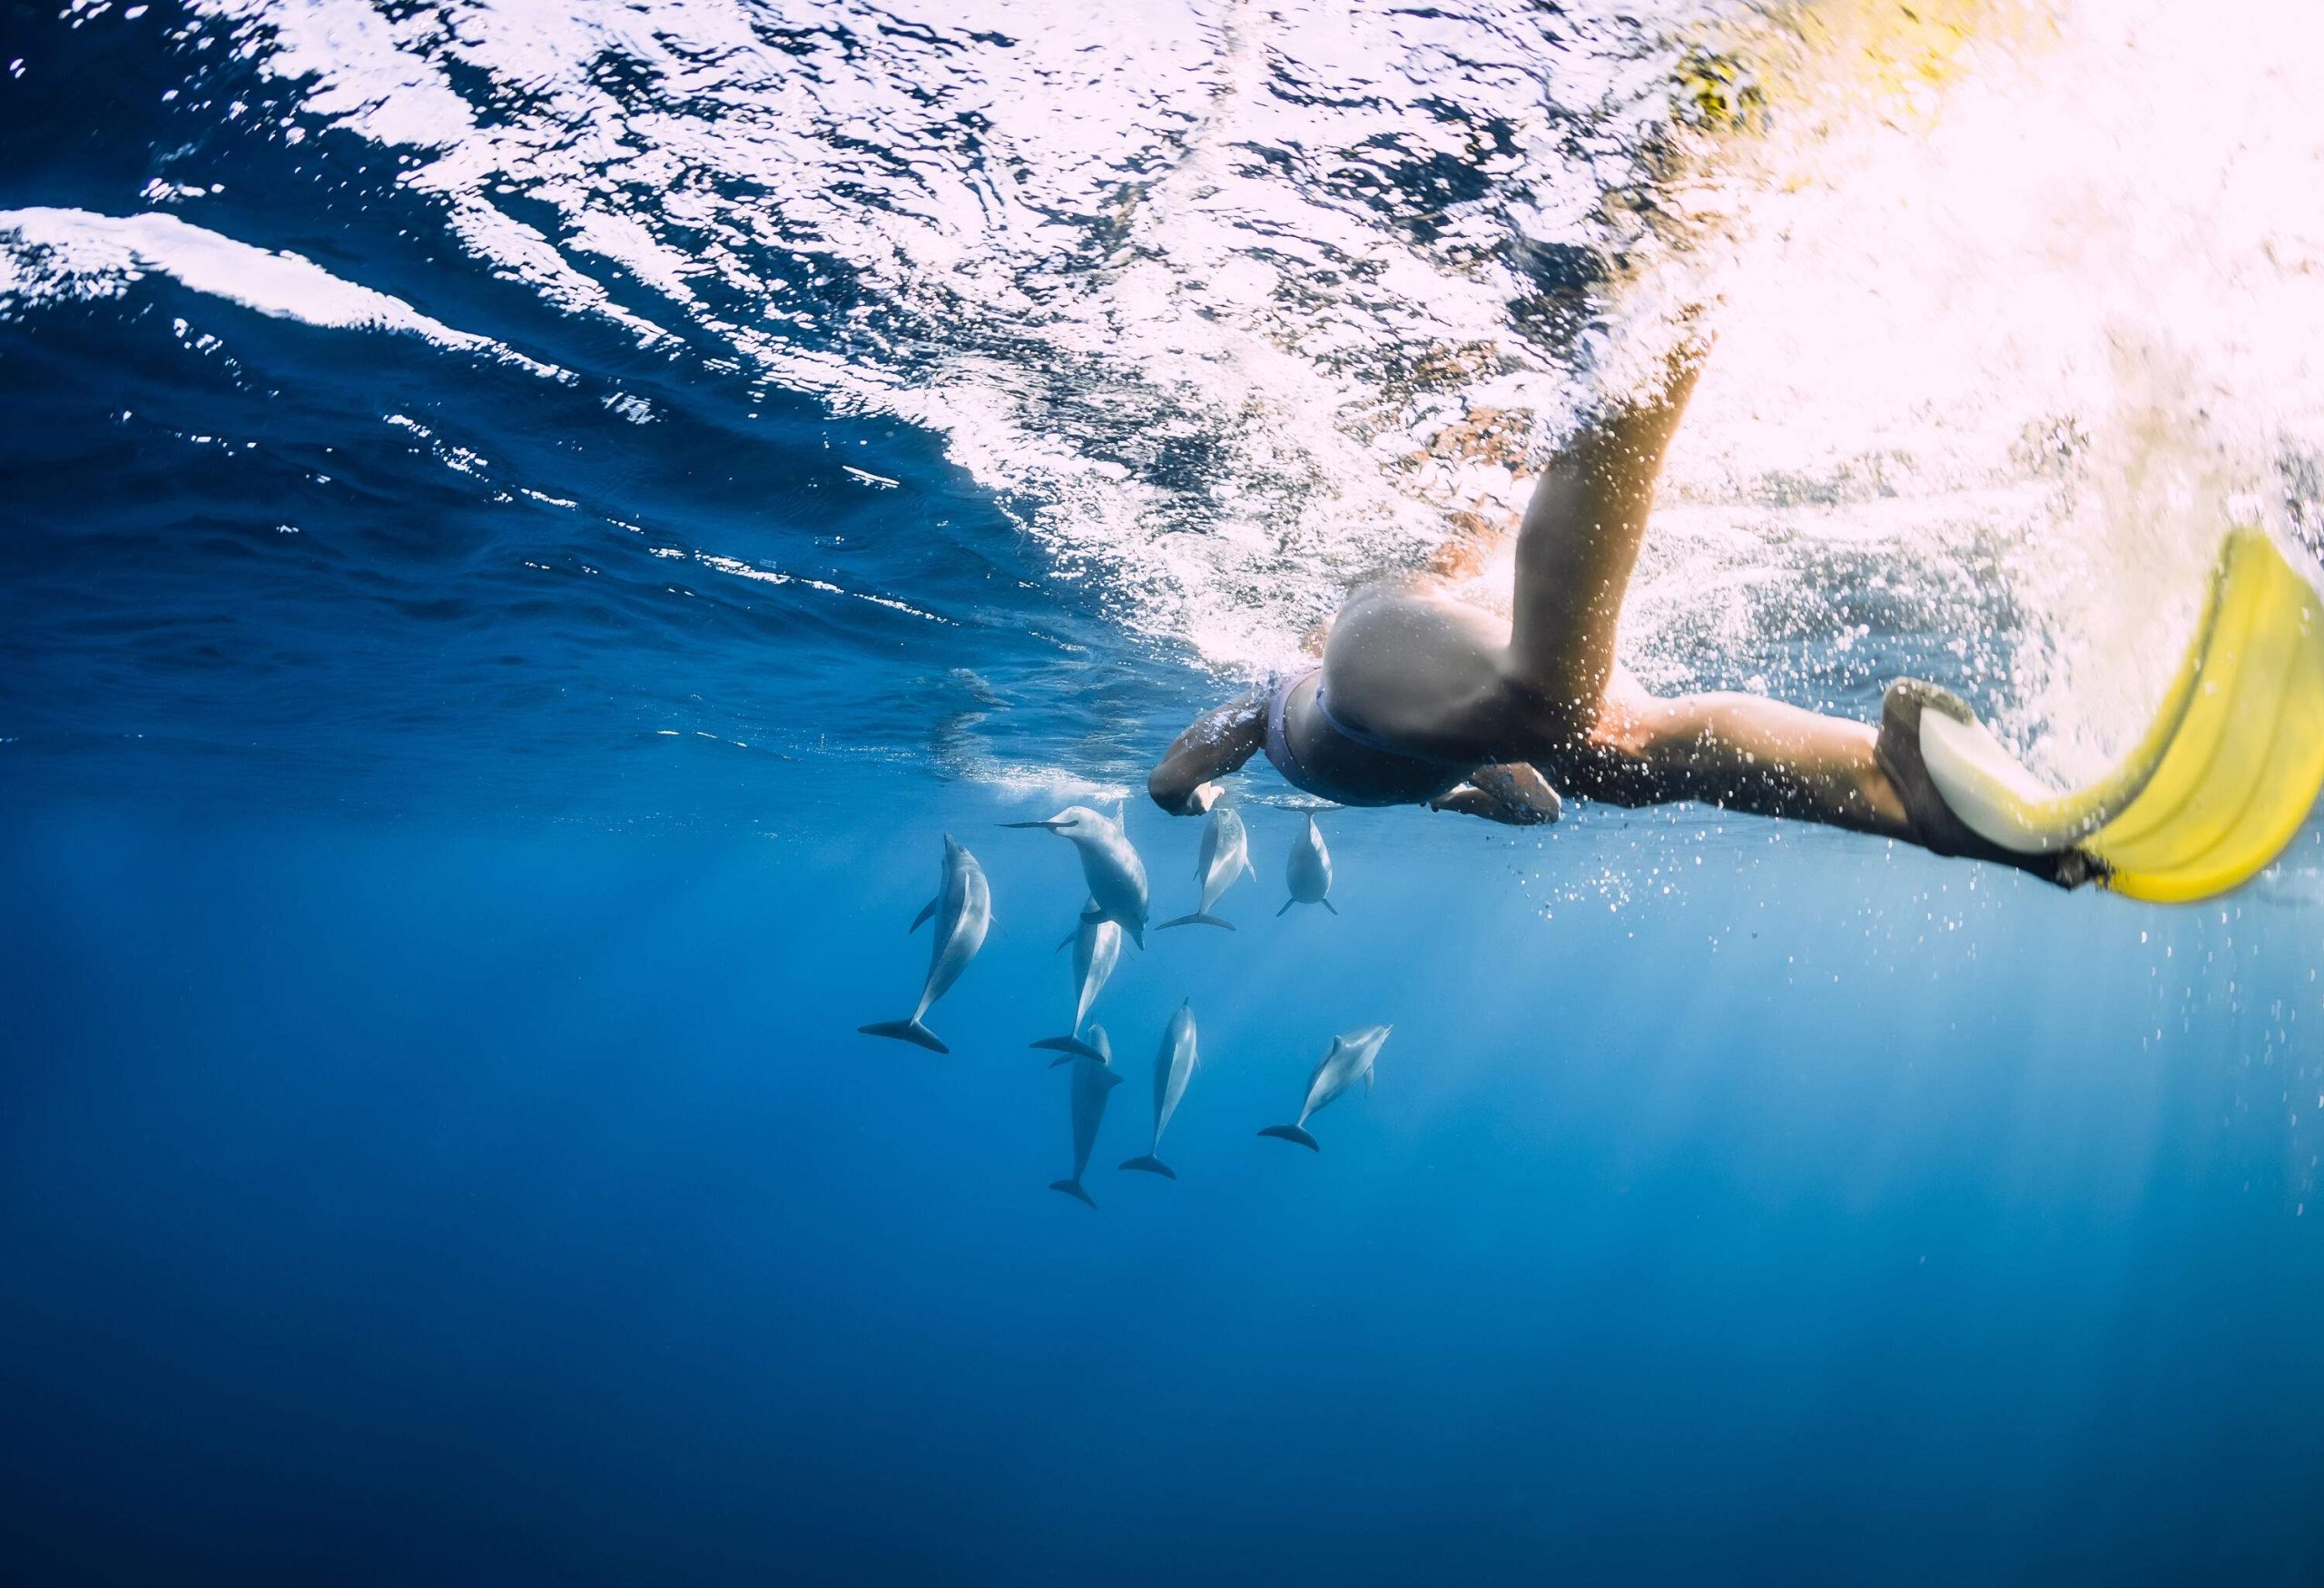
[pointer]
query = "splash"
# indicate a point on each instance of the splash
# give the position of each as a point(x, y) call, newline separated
point(1235, 305)
point(2037, 285)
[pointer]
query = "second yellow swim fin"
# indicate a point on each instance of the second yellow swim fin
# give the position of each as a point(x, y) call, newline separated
point(2225, 774)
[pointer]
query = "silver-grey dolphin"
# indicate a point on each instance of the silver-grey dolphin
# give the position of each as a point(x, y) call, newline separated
point(1096, 945)
point(1226, 855)
point(1174, 1066)
point(1308, 873)
point(1348, 1061)
point(1093, 1079)
point(962, 910)
point(1117, 877)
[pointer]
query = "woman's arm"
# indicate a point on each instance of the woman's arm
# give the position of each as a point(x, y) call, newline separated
point(1214, 744)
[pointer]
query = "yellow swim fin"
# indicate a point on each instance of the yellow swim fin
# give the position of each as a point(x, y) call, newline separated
point(2225, 774)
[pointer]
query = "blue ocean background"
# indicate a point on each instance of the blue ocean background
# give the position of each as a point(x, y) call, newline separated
point(450, 831)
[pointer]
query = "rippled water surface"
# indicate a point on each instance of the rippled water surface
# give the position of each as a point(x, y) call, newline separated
point(523, 523)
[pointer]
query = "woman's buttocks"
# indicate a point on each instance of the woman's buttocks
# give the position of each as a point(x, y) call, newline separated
point(1413, 668)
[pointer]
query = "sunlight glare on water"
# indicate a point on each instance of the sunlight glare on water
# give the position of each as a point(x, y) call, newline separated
point(1230, 306)
point(2052, 316)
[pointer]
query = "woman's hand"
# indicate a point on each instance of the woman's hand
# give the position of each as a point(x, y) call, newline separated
point(1515, 794)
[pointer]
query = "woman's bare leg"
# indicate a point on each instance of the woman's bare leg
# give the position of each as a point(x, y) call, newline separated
point(1575, 553)
point(1578, 543)
point(1742, 753)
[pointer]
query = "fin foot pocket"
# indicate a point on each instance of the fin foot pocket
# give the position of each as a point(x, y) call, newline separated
point(2226, 773)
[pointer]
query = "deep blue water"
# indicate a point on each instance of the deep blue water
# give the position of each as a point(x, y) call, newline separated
point(462, 1201)
point(435, 1144)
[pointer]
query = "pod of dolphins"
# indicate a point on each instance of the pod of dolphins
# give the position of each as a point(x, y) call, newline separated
point(1117, 906)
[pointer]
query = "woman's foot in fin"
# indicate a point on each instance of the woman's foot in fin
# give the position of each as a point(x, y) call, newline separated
point(1935, 827)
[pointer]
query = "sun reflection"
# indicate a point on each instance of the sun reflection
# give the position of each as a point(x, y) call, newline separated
point(2046, 270)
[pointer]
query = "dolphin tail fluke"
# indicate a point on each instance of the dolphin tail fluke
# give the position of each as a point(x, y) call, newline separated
point(906, 1031)
point(1327, 904)
point(1153, 1166)
point(1073, 1189)
point(1287, 903)
point(1199, 918)
point(1072, 1048)
point(1293, 1133)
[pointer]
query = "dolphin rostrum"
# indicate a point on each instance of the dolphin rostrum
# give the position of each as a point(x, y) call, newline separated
point(1309, 870)
point(1174, 1066)
point(1226, 855)
point(962, 910)
point(1093, 1078)
point(1348, 1061)
point(1096, 945)
point(1117, 877)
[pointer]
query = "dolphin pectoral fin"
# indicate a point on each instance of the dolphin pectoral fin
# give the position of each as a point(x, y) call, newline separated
point(1067, 938)
point(1071, 1047)
point(1287, 903)
point(1073, 1189)
point(1153, 1166)
point(926, 914)
point(1369, 1076)
point(1199, 918)
point(1293, 1133)
point(1327, 904)
point(906, 1031)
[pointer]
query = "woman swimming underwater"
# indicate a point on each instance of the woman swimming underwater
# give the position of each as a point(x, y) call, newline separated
point(1423, 699)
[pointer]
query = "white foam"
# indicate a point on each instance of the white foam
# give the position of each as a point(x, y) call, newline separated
point(75, 253)
point(2020, 297)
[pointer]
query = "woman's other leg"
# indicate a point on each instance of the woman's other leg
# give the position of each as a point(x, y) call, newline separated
point(1578, 543)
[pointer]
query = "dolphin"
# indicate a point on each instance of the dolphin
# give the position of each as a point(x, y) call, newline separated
point(962, 910)
point(1226, 855)
point(1174, 1066)
point(1093, 1078)
point(1348, 1061)
point(1117, 877)
point(1096, 945)
point(1309, 870)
